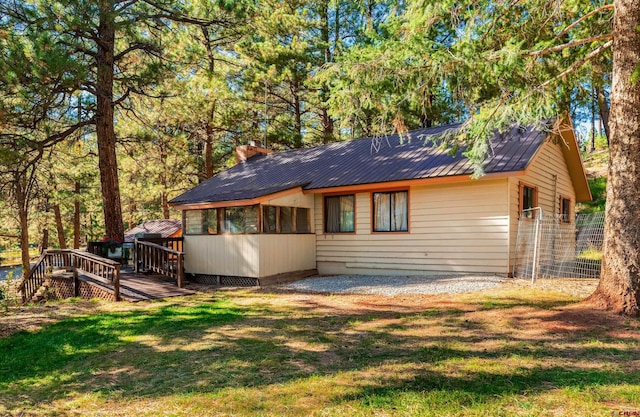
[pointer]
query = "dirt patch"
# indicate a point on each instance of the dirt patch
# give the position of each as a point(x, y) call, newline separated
point(31, 318)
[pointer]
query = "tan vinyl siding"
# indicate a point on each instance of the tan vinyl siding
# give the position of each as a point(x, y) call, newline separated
point(547, 163)
point(255, 256)
point(293, 200)
point(286, 253)
point(226, 255)
point(452, 228)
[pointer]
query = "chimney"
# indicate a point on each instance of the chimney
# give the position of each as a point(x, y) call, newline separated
point(245, 152)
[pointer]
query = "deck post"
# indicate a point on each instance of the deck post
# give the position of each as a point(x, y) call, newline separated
point(116, 283)
point(76, 281)
point(180, 270)
point(136, 256)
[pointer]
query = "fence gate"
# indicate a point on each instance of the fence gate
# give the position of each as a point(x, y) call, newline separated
point(553, 248)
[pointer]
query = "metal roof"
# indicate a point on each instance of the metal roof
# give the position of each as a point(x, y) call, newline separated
point(362, 161)
point(164, 227)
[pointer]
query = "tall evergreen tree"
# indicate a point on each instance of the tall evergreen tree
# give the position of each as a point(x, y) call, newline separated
point(115, 47)
point(619, 288)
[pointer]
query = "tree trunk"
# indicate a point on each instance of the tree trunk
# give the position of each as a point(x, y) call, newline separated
point(107, 161)
point(44, 245)
point(23, 216)
point(297, 113)
point(208, 142)
point(165, 205)
point(593, 120)
point(619, 287)
point(325, 118)
point(76, 217)
point(59, 227)
point(604, 112)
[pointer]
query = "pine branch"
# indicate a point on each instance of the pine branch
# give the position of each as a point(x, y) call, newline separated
point(494, 21)
point(571, 44)
point(583, 18)
point(138, 46)
point(174, 17)
point(579, 64)
point(124, 4)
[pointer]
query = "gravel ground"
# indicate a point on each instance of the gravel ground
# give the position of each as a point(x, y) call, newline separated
point(379, 285)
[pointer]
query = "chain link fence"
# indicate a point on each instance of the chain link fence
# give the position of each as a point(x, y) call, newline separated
point(553, 248)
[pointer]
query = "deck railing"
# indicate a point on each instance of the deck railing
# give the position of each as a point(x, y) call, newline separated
point(75, 261)
point(157, 258)
point(173, 243)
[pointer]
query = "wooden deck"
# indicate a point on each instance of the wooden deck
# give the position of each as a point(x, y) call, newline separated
point(140, 287)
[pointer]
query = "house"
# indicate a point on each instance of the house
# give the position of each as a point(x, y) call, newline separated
point(162, 228)
point(387, 206)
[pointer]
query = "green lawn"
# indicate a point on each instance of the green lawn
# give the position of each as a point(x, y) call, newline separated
point(515, 351)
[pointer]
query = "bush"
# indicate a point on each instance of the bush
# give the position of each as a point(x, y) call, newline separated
point(7, 292)
point(598, 188)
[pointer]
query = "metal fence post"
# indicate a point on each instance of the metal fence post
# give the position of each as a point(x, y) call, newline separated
point(536, 242)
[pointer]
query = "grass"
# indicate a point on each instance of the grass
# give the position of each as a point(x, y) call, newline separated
point(515, 351)
point(591, 254)
point(14, 257)
point(598, 186)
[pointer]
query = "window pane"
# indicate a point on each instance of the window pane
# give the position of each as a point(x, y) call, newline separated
point(400, 212)
point(233, 220)
point(211, 221)
point(347, 220)
point(269, 219)
point(382, 210)
point(390, 212)
point(286, 220)
point(302, 220)
point(240, 219)
point(250, 215)
point(528, 201)
point(193, 220)
point(332, 214)
point(528, 198)
point(339, 214)
point(565, 210)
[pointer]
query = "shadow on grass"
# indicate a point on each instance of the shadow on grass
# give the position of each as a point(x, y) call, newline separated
point(214, 346)
point(480, 387)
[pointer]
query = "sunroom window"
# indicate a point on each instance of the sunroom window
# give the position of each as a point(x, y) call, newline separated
point(240, 219)
point(201, 222)
point(277, 219)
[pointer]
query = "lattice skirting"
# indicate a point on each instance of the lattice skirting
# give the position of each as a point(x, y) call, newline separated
point(224, 281)
point(89, 291)
point(62, 287)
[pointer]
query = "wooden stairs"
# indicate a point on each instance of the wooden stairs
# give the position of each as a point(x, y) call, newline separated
point(60, 274)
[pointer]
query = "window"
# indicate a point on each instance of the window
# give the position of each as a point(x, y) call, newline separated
point(269, 219)
point(286, 219)
point(277, 219)
point(339, 214)
point(201, 222)
point(528, 200)
point(302, 220)
point(240, 219)
point(391, 211)
point(565, 210)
